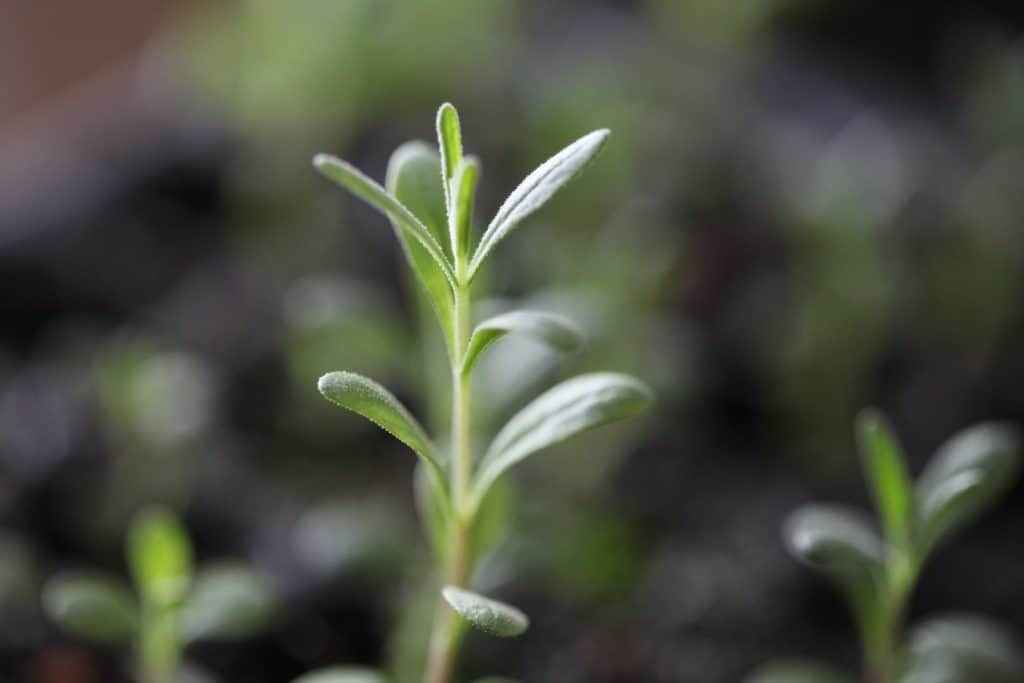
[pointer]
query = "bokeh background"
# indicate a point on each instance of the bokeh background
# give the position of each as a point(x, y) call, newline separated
point(805, 208)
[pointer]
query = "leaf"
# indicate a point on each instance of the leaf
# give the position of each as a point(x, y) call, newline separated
point(228, 602)
point(160, 557)
point(558, 332)
point(91, 605)
point(351, 178)
point(535, 190)
point(967, 474)
point(432, 511)
point(886, 472)
point(798, 671)
point(574, 406)
point(489, 616)
point(463, 189)
point(493, 519)
point(449, 142)
point(413, 178)
point(963, 647)
point(833, 538)
point(342, 674)
point(368, 398)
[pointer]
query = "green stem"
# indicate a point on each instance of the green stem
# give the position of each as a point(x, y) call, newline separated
point(881, 644)
point(446, 636)
point(158, 645)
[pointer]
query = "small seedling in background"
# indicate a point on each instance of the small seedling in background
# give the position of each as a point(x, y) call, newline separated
point(171, 605)
point(429, 201)
point(876, 573)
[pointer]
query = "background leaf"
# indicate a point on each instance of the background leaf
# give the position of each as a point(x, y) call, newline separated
point(563, 411)
point(342, 674)
point(963, 648)
point(798, 671)
point(91, 605)
point(886, 472)
point(485, 614)
point(556, 331)
point(228, 602)
point(160, 556)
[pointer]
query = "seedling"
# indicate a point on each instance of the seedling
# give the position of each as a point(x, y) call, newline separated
point(876, 573)
point(170, 606)
point(429, 199)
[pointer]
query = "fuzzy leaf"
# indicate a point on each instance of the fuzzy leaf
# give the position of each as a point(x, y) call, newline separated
point(449, 142)
point(342, 674)
point(413, 178)
point(228, 602)
point(368, 398)
point(91, 605)
point(484, 614)
point(463, 190)
point(886, 472)
point(351, 178)
point(965, 476)
point(160, 557)
point(556, 331)
point(574, 406)
point(535, 190)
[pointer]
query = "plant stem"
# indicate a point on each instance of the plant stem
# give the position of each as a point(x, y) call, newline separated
point(447, 630)
point(881, 645)
point(158, 646)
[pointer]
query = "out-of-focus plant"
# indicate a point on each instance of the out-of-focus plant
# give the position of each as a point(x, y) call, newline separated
point(877, 573)
point(172, 604)
point(429, 200)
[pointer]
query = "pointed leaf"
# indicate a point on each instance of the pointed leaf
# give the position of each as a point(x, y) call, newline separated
point(965, 476)
point(565, 410)
point(489, 616)
point(351, 178)
point(342, 674)
point(886, 473)
point(463, 189)
point(368, 398)
point(91, 605)
point(160, 557)
point(413, 178)
point(227, 602)
point(556, 331)
point(535, 190)
point(449, 142)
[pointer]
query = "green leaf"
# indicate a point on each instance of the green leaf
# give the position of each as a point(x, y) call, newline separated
point(449, 142)
point(160, 557)
point(413, 178)
point(963, 648)
point(91, 605)
point(831, 537)
point(432, 511)
point(535, 191)
point(368, 398)
point(886, 472)
point(228, 602)
point(967, 474)
point(342, 674)
point(351, 178)
point(463, 189)
point(565, 410)
point(493, 519)
point(558, 332)
point(489, 616)
point(798, 671)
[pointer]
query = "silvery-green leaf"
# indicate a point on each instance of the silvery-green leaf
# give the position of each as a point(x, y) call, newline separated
point(449, 142)
point(574, 406)
point(227, 602)
point(535, 190)
point(798, 671)
point(413, 177)
point(556, 331)
point(833, 538)
point(368, 398)
point(493, 519)
point(463, 189)
point(342, 674)
point(965, 476)
point(886, 473)
point(91, 605)
point(963, 648)
point(160, 556)
point(485, 614)
point(348, 176)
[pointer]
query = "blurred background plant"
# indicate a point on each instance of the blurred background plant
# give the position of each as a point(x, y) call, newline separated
point(806, 208)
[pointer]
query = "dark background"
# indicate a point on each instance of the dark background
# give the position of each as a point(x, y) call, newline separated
point(805, 208)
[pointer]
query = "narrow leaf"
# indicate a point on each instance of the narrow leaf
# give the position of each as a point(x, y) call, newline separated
point(160, 557)
point(91, 605)
point(463, 189)
point(351, 178)
point(565, 410)
point(966, 475)
point(556, 331)
point(449, 141)
point(535, 190)
point(228, 602)
point(489, 616)
point(886, 473)
point(342, 674)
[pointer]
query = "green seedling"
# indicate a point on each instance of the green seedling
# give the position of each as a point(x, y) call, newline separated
point(171, 605)
point(876, 572)
point(429, 198)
